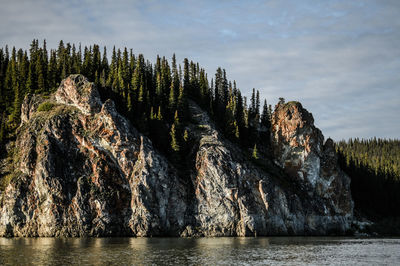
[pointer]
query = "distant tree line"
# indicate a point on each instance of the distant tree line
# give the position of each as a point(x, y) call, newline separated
point(154, 97)
point(374, 168)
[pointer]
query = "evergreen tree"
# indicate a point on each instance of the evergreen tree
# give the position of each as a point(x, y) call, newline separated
point(265, 117)
point(2, 130)
point(186, 79)
point(174, 142)
point(40, 71)
point(159, 114)
point(186, 136)
point(52, 71)
point(255, 152)
point(172, 99)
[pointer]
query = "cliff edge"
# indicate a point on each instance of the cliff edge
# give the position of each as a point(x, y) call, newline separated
point(79, 168)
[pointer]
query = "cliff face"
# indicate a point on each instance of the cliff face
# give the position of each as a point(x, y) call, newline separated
point(81, 169)
point(84, 171)
point(299, 150)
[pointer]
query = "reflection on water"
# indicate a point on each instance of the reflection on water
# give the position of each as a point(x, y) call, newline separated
point(198, 251)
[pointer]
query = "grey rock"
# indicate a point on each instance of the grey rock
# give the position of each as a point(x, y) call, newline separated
point(81, 169)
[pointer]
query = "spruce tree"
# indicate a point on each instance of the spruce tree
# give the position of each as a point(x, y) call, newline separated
point(255, 152)
point(265, 117)
point(159, 114)
point(2, 96)
point(52, 70)
point(172, 98)
point(174, 142)
point(41, 79)
point(186, 79)
point(2, 130)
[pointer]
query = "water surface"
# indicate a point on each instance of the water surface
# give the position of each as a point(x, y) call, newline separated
point(199, 251)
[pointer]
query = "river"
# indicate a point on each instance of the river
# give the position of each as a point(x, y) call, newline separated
point(200, 251)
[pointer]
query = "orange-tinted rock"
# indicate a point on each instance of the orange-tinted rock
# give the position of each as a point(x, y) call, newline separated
point(299, 150)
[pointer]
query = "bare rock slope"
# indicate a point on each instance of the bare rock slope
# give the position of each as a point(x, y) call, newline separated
point(81, 169)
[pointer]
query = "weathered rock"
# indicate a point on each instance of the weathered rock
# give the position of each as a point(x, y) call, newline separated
point(81, 169)
point(299, 150)
point(29, 106)
point(76, 90)
point(235, 197)
point(88, 173)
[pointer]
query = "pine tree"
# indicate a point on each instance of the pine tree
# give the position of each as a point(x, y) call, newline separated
point(237, 132)
point(175, 75)
point(174, 142)
point(257, 106)
point(252, 110)
point(12, 82)
point(152, 116)
point(2, 130)
point(186, 79)
point(265, 117)
point(2, 92)
point(112, 69)
point(41, 79)
point(182, 101)
point(104, 64)
point(52, 70)
point(159, 114)
point(172, 99)
point(255, 152)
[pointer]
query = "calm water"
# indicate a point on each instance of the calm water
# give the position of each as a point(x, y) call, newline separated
point(199, 251)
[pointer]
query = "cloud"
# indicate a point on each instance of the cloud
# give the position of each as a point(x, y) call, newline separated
point(339, 58)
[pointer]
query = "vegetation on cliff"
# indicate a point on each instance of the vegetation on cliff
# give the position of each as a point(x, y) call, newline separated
point(152, 96)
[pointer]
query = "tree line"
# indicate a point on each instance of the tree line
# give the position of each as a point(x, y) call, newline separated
point(374, 168)
point(154, 97)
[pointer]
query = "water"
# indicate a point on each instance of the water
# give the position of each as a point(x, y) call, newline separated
point(199, 251)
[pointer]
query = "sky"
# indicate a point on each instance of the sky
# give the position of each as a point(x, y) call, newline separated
point(340, 59)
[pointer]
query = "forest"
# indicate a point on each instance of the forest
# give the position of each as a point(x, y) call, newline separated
point(374, 168)
point(154, 97)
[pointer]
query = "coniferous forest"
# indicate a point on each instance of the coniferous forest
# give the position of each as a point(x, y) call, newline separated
point(374, 168)
point(154, 97)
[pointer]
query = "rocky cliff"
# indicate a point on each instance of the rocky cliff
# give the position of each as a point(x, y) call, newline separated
point(79, 168)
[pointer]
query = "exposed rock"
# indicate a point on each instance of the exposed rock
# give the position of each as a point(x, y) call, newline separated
point(235, 197)
point(81, 169)
point(299, 149)
point(78, 91)
point(29, 106)
point(83, 173)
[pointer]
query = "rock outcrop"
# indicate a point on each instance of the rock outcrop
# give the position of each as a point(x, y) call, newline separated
point(81, 169)
point(233, 196)
point(300, 151)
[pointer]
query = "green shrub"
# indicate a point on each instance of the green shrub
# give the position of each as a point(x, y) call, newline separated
point(6, 180)
point(45, 107)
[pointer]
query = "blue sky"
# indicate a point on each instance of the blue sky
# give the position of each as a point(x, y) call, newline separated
point(341, 59)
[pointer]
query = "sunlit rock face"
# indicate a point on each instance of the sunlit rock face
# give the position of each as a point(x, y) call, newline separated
point(81, 169)
point(300, 150)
